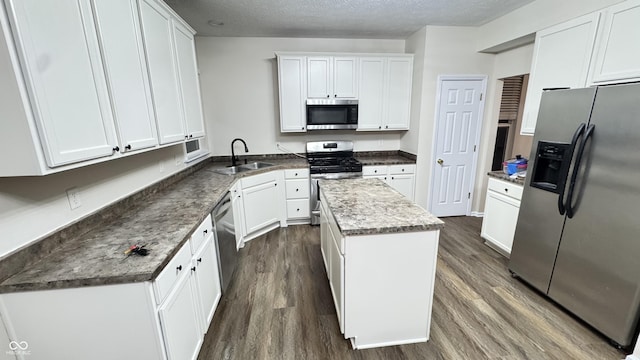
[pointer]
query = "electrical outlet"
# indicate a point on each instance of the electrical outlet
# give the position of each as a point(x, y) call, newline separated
point(73, 195)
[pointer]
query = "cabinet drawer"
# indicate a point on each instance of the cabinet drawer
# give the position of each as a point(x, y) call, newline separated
point(258, 179)
point(374, 170)
point(505, 188)
point(402, 169)
point(298, 209)
point(297, 189)
point(204, 229)
point(172, 272)
point(296, 173)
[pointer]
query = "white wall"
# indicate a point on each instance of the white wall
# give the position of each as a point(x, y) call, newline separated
point(32, 207)
point(238, 78)
point(448, 51)
point(415, 45)
point(534, 17)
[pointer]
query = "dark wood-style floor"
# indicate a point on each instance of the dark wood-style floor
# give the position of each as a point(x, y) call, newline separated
point(280, 307)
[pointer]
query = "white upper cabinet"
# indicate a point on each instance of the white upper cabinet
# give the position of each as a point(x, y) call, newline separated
point(118, 26)
point(561, 59)
point(157, 29)
point(60, 58)
point(189, 84)
point(617, 52)
point(332, 77)
point(292, 75)
point(372, 92)
point(385, 93)
point(398, 96)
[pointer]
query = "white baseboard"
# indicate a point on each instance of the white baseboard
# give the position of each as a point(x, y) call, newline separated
point(481, 214)
point(632, 357)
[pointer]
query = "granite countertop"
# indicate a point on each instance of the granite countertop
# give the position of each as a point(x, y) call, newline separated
point(164, 221)
point(502, 176)
point(369, 206)
point(382, 159)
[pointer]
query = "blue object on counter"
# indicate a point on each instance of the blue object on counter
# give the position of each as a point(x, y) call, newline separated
point(515, 165)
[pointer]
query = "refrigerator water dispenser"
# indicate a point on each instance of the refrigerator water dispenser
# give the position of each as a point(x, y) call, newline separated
point(550, 167)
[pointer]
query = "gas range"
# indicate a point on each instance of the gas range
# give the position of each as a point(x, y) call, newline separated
point(329, 160)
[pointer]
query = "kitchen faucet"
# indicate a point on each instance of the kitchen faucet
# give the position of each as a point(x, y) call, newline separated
point(234, 158)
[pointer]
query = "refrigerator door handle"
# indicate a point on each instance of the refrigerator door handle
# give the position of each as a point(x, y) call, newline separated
point(576, 169)
point(569, 156)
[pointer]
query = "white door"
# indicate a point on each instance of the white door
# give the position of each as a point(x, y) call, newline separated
point(189, 82)
point(60, 57)
point(125, 64)
point(458, 121)
point(156, 30)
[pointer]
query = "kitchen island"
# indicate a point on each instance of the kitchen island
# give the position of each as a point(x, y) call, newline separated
point(380, 252)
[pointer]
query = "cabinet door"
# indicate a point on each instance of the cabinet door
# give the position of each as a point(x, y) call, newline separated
point(292, 78)
point(560, 59)
point(371, 94)
point(258, 203)
point(178, 317)
point(319, 77)
point(238, 215)
point(324, 239)
point(405, 184)
point(398, 97)
point(60, 58)
point(618, 45)
point(345, 81)
point(188, 79)
point(125, 64)
point(208, 280)
point(500, 218)
point(157, 30)
point(336, 277)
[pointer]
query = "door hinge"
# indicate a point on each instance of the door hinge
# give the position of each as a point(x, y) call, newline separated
point(480, 96)
point(469, 196)
point(474, 148)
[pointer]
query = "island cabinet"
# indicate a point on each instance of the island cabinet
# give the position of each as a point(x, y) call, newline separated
point(501, 214)
point(381, 273)
point(400, 177)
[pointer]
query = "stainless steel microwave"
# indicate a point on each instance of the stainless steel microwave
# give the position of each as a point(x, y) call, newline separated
point(332, 114)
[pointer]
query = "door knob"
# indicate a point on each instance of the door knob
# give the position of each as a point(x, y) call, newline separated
point(440, 161)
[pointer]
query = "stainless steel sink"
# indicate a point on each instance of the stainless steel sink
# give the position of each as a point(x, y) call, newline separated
point(255, 165)
point(232, 170)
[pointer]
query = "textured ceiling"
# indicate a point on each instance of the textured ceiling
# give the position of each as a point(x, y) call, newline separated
point(384, 19)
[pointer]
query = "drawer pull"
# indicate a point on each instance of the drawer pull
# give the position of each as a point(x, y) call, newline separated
point(199, 260)
point(506, 190)
point(296, 174)
point(375, 171)
point(297, 190)
point(206, 231)
point(179, 268)
point(193, 269)
point(297, 209)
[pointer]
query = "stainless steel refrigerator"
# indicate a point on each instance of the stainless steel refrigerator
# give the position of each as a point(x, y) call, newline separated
point(578, 233)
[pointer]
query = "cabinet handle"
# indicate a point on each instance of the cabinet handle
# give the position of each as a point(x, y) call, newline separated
point(296, 174)
point(206, 231)
point(179, 268)
point(402, 170)
point(385, 178)
point(116, 149)
point(297, 209)
point(276, 184)
point(191, 135)
point(186, 136)
point(193, 269)
point(297, 190)
point(379, 127)
point(386, 126)
point(327, 95)
point(199, 260)
point(506, 190)
point(303, 128)
point(335, 95)
point(375, 171)
point(128, 147)
point(392, 178)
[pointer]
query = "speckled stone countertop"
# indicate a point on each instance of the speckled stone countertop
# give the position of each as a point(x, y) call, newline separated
point(502, 176)
point(369, 206)
point(164, 221)
point(385, 158)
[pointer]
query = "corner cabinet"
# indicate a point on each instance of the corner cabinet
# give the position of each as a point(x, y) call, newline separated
point(501, 214)
point(380, 82)
point(598, 48)
point(86, 81)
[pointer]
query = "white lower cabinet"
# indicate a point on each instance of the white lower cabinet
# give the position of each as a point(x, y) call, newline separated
point(178, 316)
point(400, 177)
point(501, 214)
point(297, 192)
point(204, 265)
point(263, 203)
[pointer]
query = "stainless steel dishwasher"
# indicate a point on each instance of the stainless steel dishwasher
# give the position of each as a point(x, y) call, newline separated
point(225, 240)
